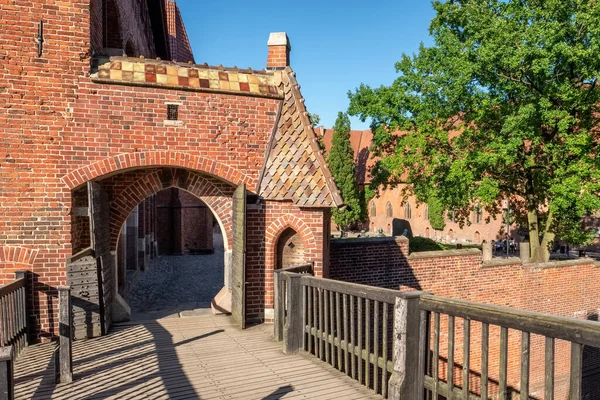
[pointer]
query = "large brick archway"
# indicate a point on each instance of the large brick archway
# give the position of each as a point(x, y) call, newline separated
point(218, 199)
point(128, 161)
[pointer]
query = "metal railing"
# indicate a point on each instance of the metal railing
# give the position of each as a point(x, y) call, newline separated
point(389, 341)
point(14, 328)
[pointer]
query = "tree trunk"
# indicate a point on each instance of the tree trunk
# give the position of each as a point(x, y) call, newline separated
point(540, 251)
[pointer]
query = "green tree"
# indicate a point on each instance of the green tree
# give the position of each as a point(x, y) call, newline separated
point(436, 213)
point(502, 105)
point(341, 164)
point(314, 119)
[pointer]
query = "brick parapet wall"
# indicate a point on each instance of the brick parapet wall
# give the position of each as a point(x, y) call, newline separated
point(567, 288)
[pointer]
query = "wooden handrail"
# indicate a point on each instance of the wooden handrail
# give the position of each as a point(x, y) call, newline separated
point(366, 292)
point(11, 287)
point(554, 326)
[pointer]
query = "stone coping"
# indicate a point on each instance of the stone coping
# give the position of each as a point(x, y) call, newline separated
point(166, 74)
point(368, 240)
point(563, 263)
point(501, 262)
point(445, 253)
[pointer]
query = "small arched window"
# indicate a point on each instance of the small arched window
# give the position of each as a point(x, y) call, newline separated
point(373, 209)
point(452, 216)
point(407, 211)
point(478, 215)
point(426, 212)
point(389, 211)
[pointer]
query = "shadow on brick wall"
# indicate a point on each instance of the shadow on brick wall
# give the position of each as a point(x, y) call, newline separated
point(380, 262)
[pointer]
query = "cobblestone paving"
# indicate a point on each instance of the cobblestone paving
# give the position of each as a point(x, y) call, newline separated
point(172, 284)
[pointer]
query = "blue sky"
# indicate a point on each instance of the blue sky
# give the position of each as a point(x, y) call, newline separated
point(336, 45)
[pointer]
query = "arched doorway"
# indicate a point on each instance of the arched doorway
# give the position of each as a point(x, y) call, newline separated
point(114, 233)
point(290, 249)
point(187, 270)
point(427, 233)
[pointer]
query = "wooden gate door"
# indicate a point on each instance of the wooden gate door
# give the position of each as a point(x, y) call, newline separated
point(238, 262)
point(99, 204)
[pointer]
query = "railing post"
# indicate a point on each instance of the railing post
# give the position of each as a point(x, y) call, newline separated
point(293, 330)
point(7, 382)
point(19, 275)
point(406, 380)
point(278, 305)
point(64, 362)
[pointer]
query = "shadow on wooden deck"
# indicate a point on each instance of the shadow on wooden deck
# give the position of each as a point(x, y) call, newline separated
point(204, 357)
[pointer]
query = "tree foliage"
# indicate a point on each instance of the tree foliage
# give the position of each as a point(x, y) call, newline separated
point(341, 164)
point(436, 213)
point(503, 105)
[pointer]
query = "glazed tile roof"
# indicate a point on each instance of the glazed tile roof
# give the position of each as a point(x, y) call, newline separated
point(172, 75)
point(295, 169)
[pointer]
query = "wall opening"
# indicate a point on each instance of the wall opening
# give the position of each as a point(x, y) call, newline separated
point(290, 249)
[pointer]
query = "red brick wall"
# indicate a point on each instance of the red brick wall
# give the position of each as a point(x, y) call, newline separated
point(565, 288)
point(58, 130)
point(370, 261)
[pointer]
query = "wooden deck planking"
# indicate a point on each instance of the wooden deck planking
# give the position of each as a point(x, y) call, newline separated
point(202, 357)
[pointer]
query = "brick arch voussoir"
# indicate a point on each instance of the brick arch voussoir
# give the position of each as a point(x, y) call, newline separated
point(22, 256)
point(129, 198)
point(126, 161)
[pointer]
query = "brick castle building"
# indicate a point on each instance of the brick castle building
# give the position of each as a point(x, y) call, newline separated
point(102, 108)
point(393, 214)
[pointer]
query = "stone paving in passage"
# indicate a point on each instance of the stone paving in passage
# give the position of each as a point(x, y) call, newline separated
point(200, 357)
point(174, 284)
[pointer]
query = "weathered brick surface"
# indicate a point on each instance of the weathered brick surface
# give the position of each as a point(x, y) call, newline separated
point(565, 288)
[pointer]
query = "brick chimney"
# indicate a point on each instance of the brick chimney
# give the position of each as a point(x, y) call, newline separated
point(279, 51)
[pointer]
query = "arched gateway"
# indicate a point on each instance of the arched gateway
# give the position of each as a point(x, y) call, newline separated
point(238, 140)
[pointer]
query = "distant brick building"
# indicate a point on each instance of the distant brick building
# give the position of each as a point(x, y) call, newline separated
point(391, 213)
point(93, 125)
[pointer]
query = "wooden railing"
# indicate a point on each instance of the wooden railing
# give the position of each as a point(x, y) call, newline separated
point(578, 332)
point(389, 340)
point(14, 329)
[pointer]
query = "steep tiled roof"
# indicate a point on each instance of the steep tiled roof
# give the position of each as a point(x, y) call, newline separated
point(295, 169)
point(179, 44)
point(146, 72)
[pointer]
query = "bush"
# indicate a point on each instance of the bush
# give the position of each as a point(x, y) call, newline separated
point(418, 244)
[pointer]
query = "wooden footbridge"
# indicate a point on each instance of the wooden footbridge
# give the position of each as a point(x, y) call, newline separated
point(330, 340)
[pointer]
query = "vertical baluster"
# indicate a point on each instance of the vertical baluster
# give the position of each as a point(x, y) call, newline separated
point(436, 355)
point(315, 321)
point(549, 370)
point(310, 311)
point(450, 354)
point(502, 389)
point(353, 336)
point(384, 350)
point(485, 340)
point(466, 357)
point(11, 318)
point(576, 371)
point(376, 346)
point(367, 342)
point(338, 324)
point(345, 311)
point(305, 310)
point(359, 301)
point(2, 319)
point(424, 343)
point(326, 321)
point(332, 327)
point(525, 355)
point(20, 315)
point(321, 333)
